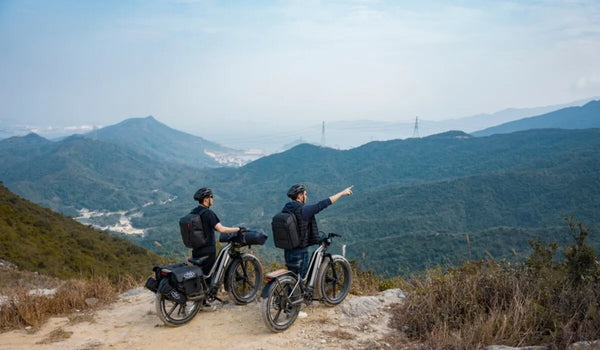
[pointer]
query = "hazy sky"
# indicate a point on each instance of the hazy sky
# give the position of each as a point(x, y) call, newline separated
point(70, 63)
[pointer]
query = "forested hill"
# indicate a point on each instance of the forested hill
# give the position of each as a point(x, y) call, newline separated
point(414, 203)
point(79, 172)
point(38, 239)
point(586, 116)
point(417, 200)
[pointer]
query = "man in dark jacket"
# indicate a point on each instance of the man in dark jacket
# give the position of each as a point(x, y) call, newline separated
point(305, 216)
point(210, 223)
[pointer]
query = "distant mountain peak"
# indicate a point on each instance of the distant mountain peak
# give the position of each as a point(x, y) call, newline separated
point(574, 117)
point(29, 139)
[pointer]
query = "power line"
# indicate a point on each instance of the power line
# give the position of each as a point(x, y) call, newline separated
point(416, 130)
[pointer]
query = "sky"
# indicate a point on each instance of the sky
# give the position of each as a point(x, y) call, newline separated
point(208, 65)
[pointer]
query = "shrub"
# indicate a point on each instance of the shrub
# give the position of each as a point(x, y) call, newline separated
point(487, 302)
point(26, 309)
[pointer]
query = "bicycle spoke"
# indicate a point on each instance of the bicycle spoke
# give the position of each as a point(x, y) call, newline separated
point(182, 310)
point(277, 315)
point(172, 309)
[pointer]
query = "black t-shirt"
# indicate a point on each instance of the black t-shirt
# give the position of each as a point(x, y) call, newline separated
point(209, 220)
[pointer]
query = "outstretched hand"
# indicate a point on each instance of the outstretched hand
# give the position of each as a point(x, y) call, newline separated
point(347, 191)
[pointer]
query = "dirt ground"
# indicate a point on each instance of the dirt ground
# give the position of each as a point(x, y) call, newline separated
point(131, 323)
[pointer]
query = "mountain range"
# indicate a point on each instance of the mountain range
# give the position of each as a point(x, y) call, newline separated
point(418, 202)
point(587, 116)
point(260, 138)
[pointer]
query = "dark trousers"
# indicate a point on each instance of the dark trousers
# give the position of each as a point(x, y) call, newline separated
point(206, 264)
point(292, 257)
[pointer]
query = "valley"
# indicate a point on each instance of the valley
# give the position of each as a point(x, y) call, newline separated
point(429, 201)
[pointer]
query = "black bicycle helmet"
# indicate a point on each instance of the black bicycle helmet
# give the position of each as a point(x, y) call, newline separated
point(202, 193)
point(295, 190)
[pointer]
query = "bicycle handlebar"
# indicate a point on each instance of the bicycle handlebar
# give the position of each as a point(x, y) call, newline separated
point(329, 235)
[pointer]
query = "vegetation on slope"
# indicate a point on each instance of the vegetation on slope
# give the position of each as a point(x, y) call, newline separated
point(38, 239)
point(546, 301)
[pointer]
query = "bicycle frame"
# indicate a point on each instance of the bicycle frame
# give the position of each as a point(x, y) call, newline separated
point(218, 268)
point(308, 282)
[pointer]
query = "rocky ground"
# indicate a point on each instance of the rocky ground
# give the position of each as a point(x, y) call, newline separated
point(131, 323)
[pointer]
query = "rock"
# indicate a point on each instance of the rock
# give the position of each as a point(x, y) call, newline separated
point(585, 345)
point(360, 306)
point(7, 265)
point(392, 296)
point(42, 292)
point(134, 291)
point(504, 347)
point(91, 302)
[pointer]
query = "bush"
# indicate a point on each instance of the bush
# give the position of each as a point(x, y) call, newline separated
point(26, 309)
point(486, 302)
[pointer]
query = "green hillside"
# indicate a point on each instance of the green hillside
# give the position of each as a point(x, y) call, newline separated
point(586, 116)
point(425, 225)
point(418, 198)
point(38, 239)
point(80, 173)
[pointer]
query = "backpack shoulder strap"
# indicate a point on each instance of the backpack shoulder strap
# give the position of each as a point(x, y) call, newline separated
point(200, 211)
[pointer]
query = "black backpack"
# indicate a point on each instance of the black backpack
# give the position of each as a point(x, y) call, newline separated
point(192, 230)
point(286, 230)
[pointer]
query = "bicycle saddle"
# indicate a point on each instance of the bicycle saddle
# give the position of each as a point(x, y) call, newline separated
point(197, 261)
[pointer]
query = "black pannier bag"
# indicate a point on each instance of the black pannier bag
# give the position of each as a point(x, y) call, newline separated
point(165, 288)
point(286, 233)
point(153, 282)
point(250, 237)
point(187, 279)
point(192, 231)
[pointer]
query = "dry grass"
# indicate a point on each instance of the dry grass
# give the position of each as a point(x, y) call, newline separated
point(12, 279)
point(366, 282)
point(25, 309)
point(484, 303)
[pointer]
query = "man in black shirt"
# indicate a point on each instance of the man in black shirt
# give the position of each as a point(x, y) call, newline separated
point(210, 223)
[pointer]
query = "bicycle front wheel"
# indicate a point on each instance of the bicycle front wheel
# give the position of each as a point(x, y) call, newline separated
point(244, 278)
point(277, 310)
point(334, 280)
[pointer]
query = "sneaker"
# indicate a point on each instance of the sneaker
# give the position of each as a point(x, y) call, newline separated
point(302, 314)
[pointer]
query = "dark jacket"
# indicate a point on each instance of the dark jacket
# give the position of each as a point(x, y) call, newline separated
point(305, 215)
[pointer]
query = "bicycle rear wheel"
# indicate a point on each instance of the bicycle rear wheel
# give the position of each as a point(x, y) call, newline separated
point(276, 309)
point(174, 314)
point(334, 280)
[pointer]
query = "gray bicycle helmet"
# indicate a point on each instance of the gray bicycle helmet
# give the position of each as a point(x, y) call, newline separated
point(295, 190)
point(202, 193)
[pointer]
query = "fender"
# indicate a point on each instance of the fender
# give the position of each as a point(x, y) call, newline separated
point(272, 277)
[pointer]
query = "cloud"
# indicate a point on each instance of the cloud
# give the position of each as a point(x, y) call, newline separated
point(589, 82)
point(80, 128)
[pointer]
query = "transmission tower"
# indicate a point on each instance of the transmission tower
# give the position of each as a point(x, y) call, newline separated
point(416, 130)
point(323, 135)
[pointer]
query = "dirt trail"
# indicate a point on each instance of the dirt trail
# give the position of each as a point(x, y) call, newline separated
point(131, 323)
